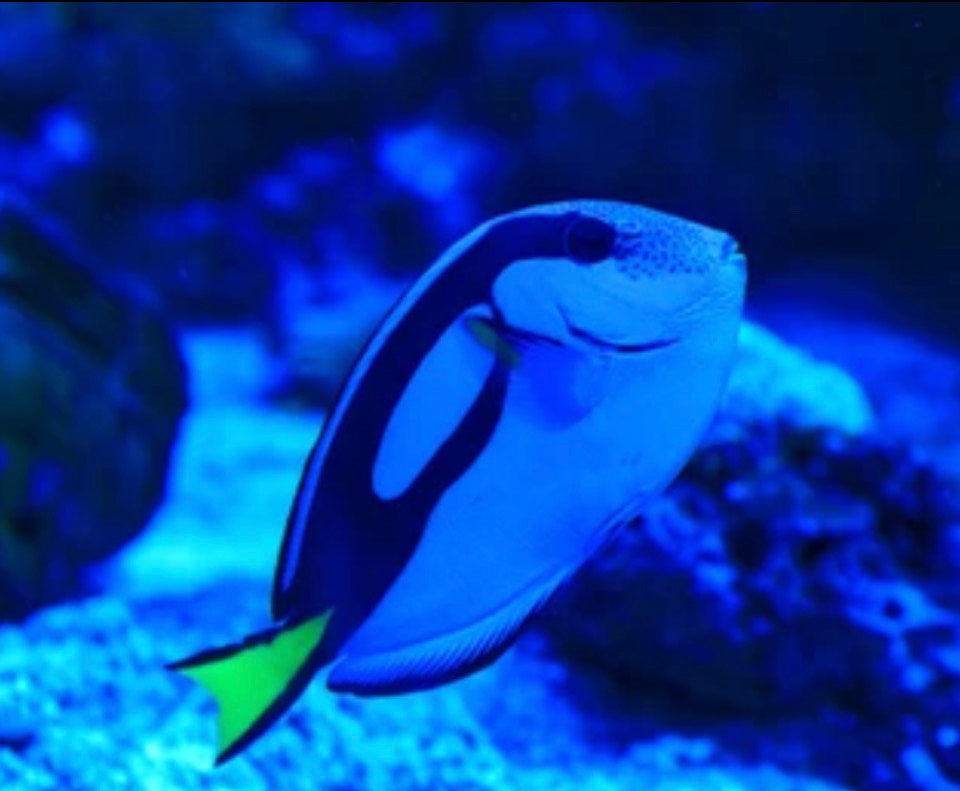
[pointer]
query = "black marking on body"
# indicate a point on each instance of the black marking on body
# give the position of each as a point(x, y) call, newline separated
point(355, 544)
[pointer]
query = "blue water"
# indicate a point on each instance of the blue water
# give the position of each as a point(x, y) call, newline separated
point(263, 180)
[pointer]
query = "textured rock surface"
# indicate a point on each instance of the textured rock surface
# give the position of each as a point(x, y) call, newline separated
point(801, 566)
point(773, 381)
point(93, 388)
point(913, 383)
point(85, 704)
point(706, 650)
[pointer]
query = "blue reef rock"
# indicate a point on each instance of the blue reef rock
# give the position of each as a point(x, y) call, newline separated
point(93, 387)
point(768, 622)
point(85, 704)
point(103, 713)
point(800, 570)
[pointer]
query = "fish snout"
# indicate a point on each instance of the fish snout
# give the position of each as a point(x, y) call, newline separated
point(731, 254)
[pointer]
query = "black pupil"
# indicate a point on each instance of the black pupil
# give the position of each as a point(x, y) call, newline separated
point(588, 240)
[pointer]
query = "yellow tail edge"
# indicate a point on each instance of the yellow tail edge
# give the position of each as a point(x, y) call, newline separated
point(255, 682)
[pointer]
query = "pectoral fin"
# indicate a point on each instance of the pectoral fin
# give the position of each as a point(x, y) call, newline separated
point(487, 334)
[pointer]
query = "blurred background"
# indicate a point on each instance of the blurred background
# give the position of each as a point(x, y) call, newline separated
point(220, 150)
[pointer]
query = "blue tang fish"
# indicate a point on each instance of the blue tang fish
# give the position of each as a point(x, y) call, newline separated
point(538, 384)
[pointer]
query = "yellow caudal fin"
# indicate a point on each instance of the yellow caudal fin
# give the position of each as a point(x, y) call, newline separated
point(255, 682)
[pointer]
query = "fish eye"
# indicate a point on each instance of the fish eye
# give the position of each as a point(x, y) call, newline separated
point(588, 240)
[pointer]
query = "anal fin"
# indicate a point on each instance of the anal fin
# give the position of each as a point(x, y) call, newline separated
point(439, 660)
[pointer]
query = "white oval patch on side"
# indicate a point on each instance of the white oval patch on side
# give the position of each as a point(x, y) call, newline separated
point(434, 402)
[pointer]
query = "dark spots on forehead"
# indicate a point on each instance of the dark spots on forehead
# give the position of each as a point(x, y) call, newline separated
point(643, 244)
point(662, 248)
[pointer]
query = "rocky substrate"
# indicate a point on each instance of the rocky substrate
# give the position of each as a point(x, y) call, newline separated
point(783, 618)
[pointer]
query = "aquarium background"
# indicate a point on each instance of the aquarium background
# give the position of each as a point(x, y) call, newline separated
point(205, 209)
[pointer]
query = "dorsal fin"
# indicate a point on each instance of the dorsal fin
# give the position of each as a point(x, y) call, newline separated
point(324, 528)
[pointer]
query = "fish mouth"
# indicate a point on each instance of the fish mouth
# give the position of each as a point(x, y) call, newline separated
point(732, 254)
